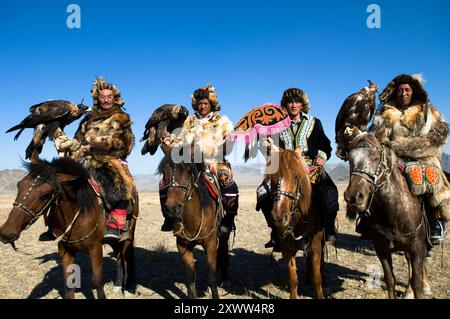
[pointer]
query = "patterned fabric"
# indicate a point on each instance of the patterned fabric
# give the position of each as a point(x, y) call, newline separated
point(300, 138)
point(266, 119)
point(423, 177)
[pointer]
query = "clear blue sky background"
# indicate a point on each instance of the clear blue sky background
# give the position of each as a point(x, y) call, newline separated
point(159, 52)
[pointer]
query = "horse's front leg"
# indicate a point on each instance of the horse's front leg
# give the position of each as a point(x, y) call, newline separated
point(289, 256)
point(417, 271)
point(315, 254)
point(211, 258)
point(385, 257)
point(187, 257)
point(67, 260)
point(118, 253)
point(96, 256)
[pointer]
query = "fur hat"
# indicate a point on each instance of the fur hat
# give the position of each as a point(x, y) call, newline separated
point(101, 84)
point(294, 94)
point(206, 92)
point(415, 81)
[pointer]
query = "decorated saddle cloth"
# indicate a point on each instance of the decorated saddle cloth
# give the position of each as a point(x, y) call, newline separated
point(314, 171)
point(422, 177)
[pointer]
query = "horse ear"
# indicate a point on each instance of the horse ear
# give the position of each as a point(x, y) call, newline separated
point(65, 178)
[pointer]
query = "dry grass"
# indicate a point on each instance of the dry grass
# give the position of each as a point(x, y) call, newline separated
point(253, 272)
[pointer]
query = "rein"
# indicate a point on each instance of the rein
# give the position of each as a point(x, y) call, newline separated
point(30, 212)
point(189, 190)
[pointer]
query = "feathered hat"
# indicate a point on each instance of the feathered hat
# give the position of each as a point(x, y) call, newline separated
point(294, 94)
point(101, 84)
point(206, 92)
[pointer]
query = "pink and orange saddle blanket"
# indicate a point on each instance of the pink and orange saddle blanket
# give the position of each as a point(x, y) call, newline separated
point(422, 177)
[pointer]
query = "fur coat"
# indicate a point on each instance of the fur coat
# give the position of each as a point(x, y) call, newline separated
point(208, 134)
point(417, 133)
point(110, 139)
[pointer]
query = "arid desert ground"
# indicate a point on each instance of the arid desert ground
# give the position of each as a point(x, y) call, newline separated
point(352, 268)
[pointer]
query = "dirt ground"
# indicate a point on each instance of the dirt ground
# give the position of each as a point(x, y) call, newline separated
point(352, 268)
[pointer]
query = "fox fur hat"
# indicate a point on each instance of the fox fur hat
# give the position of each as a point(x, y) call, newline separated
point(294, 94)
point(206, 92)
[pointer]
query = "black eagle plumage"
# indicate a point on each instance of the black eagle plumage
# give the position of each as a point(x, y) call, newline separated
point(45, 118)
point(166, 118)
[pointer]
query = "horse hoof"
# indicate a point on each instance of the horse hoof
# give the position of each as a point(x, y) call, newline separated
point(117, 289)
point(427, 291)
point(128, 294)
point(409, 295)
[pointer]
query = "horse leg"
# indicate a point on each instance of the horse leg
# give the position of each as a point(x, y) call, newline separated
point(118, 282)
point(292, 273)
point(426, 282)
point(188, 260)
point(315, 260)
point(223, 258)
point(129, 283)
point(211, 258)
point(409, 293)
point(417, 267)
point(385, 257)
point(96, 256)
point(67, 259)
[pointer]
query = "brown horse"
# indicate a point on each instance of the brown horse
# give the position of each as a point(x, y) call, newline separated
point(195, 217)
point(75, 214)
point(395, 218)
point(294, 217)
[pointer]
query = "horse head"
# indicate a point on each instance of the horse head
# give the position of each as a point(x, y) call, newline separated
point(368, 159)
point(179, 181)
point(39, 190)
point(290, 191)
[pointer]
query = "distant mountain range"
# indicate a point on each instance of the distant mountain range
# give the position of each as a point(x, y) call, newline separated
point(245, 176)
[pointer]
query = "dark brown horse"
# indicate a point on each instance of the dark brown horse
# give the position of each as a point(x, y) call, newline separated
point(395, 218)
point(293, 217)
point(195, 216)
point(75, 214)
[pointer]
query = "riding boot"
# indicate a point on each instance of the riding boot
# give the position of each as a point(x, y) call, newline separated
point(362, 227)
point(273, 242)
point(330, 229)
point(437, 230)
point(167, 225)
point(227, 225)
point(47, 235)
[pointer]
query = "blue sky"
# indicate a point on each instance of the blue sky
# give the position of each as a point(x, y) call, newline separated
point(160, 52)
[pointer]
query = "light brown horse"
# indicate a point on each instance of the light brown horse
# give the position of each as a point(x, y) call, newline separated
point(75, 214)
point(395, 218)
point(195, 217)
point(295, 219)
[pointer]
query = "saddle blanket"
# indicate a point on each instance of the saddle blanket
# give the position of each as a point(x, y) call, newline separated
point(423, 177)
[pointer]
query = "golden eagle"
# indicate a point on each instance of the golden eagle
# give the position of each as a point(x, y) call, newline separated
point(356, 111)
point(45, 118)
point(166, 118)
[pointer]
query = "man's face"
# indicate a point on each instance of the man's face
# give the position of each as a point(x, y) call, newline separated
point(404, 95)
point(106, 98)
point(203, 108)
point(294, 108)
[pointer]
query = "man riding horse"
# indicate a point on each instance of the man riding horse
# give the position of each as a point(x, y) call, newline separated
point(307, 133)
point(102, 143)
point(207, 129)
point(417, 132)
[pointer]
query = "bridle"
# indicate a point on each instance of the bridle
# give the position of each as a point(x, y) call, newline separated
point(295, 197)
point(372, 178)
point(30, 212)
point(187, 188)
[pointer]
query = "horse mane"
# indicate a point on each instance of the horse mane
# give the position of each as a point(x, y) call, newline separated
point(84, 194)
point(205, 196)
point(293, 167)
